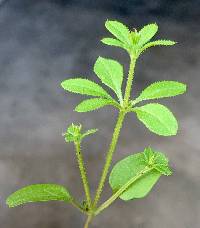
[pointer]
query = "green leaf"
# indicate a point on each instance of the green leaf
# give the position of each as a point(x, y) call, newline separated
point(143, 174)
point(157, 43)
point(157, 118)
point(113, 42)
point(160, 90)
point(89, 132)
point(84, 86)
point(38, 193)
point(94, 103)
point(157, 160)
point(165, 170)
point(119, 30)
point(73, 133)
point(146, 33)
point(111, 74)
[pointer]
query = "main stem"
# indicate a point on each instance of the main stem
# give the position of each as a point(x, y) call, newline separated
point(116, 133)
point(109, 157)
point(83, 173)
point(129, 81)
point(89, 218)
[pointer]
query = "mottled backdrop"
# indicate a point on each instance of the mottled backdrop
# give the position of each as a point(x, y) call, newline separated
point(44, 42)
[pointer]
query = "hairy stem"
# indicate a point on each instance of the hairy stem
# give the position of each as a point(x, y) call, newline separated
point(83, 173)
point(121, 190)
point(109, 157)
point(116, 132)
point(89, 218)
point(129, 80)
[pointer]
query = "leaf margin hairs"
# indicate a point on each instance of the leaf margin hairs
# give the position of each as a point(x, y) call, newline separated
point(26, 194)
point(155, 129)
point(72, 85)
point(99, 102)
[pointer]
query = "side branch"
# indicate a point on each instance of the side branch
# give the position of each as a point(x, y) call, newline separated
point(83, 173)
point(121, 190)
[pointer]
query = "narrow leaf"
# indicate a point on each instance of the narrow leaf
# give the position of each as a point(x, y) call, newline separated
point(132, 167)
point(113, 42)
point(157, 118)
point(165, 170)
point(38, 193)
point(146, 33)
point(157, 160)
point(111, 74)
point(84, 86)
point(94, 103)
point(157, 43)
point(89, 132)
point(160, 90)
point(119, 30)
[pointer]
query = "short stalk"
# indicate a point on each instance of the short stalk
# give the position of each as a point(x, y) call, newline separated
point(78, 206)
point(83, 173)
point(89, 219)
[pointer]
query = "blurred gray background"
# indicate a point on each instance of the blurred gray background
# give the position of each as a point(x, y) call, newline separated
point(45, 42)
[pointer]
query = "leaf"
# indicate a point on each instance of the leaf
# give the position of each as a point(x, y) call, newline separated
point(73, 133)
point(132, 167)
point(89, 132)
point(157, 43)
point(38, 193)
point(160, 90)
point(119, 30)
point(146, 33)
point(94, 103)
point(157, 160)
point(84, 86)
point(157, 118)
point(148, 155)
point(128, 168)
point(113, 42)
point(163, 169)
point(111, 74)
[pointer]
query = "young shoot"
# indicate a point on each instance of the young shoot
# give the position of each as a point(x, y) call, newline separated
point(134, 176)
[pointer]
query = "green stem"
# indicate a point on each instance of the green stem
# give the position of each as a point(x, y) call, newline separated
point(109, 157)
point(116, 132)
point(83, 173)
point(89, 218)
point(121, 190)
point(77, 205)
point(129, 81)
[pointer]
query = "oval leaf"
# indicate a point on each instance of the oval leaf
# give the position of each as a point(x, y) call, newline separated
point(84, 86)
point(134, 166)
point(111, 74)
point(92, 104)
point(157, 118)
point(119, 30)
point(146, 33)
point(38, 193)
point(161, 90)
point(128, 168)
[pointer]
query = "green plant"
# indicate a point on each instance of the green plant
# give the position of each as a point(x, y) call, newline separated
point(134, 176)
